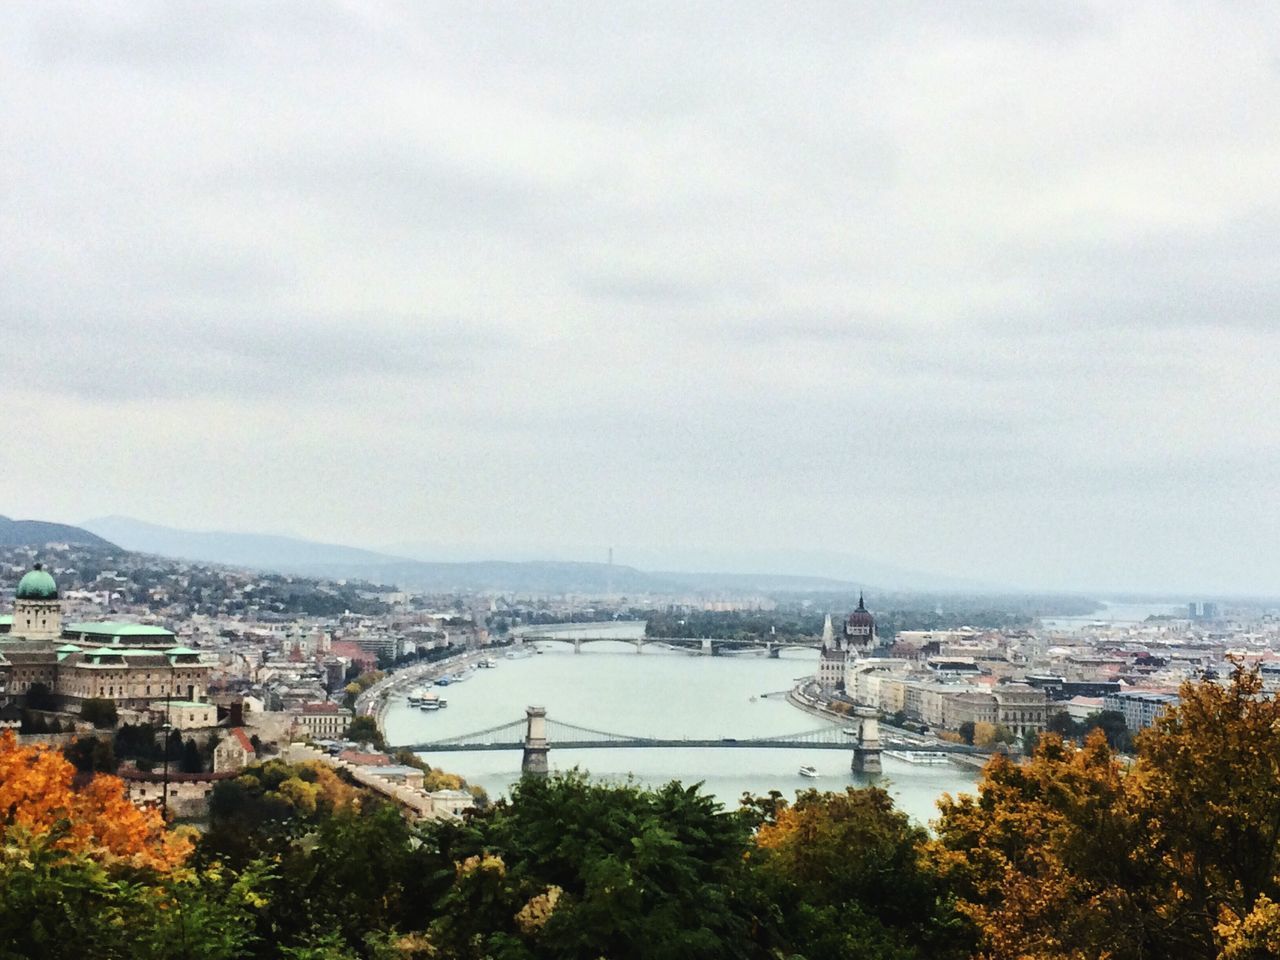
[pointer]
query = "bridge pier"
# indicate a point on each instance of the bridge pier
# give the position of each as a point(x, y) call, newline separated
point(773, 650)
point(706, 647)
point(639, 646)
point(534, 762)
point(577, 645)
point(866, 755)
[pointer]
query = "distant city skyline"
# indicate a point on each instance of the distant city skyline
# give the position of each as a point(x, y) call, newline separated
point(982, 291)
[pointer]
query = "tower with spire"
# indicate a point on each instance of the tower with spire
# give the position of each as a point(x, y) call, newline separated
point(860, 629)
point(838, 651)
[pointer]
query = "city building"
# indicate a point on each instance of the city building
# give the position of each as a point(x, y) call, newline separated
point(1021, 708)
point(1141, 708)
point(128, 663)
point(233, 753)
point(323, 720)
point(834, 659)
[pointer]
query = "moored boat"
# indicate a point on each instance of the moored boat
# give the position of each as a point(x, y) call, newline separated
point(931, 757)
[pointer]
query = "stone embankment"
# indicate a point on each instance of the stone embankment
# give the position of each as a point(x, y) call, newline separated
point(374, 701)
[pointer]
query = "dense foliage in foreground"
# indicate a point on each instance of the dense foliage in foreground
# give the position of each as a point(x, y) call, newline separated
point(1068, 856)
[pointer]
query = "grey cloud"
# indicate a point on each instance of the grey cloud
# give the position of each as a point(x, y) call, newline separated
point(956, 279)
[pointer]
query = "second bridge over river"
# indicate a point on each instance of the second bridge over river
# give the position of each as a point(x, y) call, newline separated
point(536, 733)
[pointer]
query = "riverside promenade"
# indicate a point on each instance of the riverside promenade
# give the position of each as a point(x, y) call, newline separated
point(374, 701)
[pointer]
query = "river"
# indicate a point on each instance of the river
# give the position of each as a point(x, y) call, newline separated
point(658, 693)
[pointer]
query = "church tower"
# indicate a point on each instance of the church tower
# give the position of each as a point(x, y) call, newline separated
point(37, 612)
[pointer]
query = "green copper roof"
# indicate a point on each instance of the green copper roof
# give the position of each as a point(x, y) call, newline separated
point(37, 585)
point(116, 629)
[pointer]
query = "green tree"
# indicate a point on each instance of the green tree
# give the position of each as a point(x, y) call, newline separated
point(1063, 725)
point(843, 874)
point(574, 869)
point(966, 731)
point(1113, 727)
point(192, 761)
point(40, 697)
point(365, 730)
point(101, 712)
point(91, 755)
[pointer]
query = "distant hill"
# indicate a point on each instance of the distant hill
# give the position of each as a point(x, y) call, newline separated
point(233, 549)
point(36, 533)
point(307, 558)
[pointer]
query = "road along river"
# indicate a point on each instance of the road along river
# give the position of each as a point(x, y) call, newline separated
point(659, 693)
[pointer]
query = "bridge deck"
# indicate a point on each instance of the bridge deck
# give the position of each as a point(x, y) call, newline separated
point(684, 744)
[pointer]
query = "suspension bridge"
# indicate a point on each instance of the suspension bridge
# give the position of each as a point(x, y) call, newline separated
point(537, 732)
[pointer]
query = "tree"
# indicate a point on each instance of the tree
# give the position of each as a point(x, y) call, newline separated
point(966, 731)
point(36, 794)
point(192, 761)
point(1030, 741)
point(1036, 858)
point(91, 755)
point(40, 697)
point(1063, 725)
point(571, 868)
point(845, 875)
point(365, 730)
point(1070, 855)
point(1113, 726)
point(269, 804)
point(984, 734)
point(101, 712)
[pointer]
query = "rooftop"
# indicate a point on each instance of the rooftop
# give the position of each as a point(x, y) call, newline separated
point(36, 584)
point(113, 628)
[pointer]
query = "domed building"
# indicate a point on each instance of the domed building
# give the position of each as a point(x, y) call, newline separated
point(131, 664)
point(858, 637)
point(37, 611)
point(860, 629)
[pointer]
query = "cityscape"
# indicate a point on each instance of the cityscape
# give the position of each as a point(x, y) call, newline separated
point(639, 481)
point(224, 656)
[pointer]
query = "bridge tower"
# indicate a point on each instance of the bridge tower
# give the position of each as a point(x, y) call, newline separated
point(866, 755)
point(534, 763)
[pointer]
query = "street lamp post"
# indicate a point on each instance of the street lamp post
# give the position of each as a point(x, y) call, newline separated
point(164, 790)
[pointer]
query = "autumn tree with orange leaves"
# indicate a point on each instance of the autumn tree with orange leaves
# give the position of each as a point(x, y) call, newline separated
point(83, 872)
point(38, 803)
point(1073, 857)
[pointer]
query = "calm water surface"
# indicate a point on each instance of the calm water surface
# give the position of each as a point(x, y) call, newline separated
point(658, 693)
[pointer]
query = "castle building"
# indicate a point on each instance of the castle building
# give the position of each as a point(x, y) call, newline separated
point(37, 611)
point(131, 664)
point(858, 638)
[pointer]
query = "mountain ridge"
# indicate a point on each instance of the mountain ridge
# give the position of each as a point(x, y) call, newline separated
point(37, 533)
point(311, 558)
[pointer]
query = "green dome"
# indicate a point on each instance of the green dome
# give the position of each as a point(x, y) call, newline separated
point(37, 585)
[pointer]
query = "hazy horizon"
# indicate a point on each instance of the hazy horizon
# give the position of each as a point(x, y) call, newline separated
point(982, 291)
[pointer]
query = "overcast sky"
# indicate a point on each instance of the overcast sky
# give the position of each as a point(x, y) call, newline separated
point(991, 290)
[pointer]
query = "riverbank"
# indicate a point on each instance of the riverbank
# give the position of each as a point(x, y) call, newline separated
point(802, 701)
point(375, 701)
